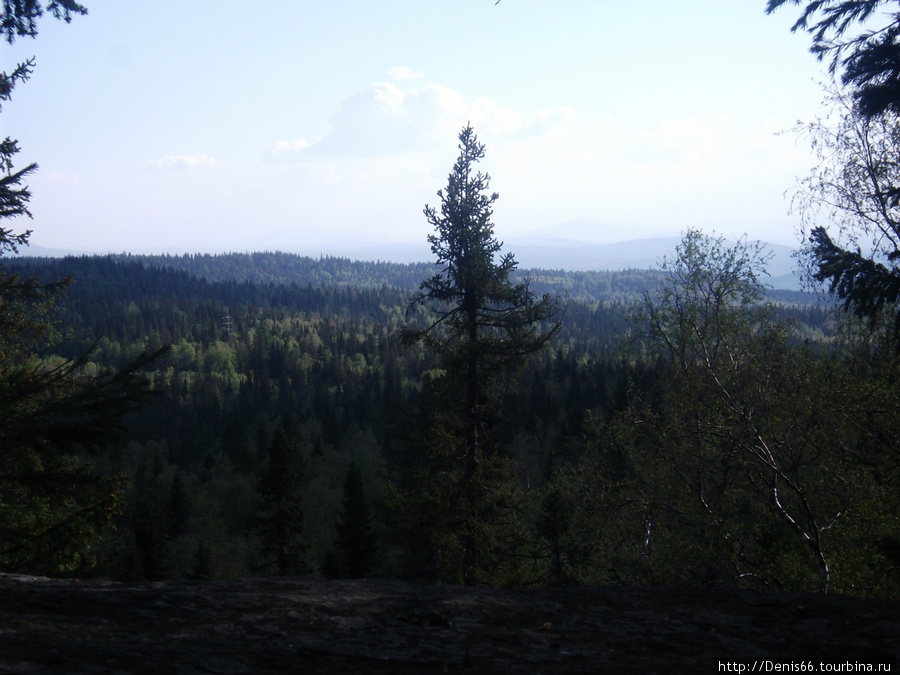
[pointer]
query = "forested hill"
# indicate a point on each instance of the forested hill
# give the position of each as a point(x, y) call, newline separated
point(321, 355)
point(130, 301)
point(326, 272)
point(325, 359)
point(288, 268)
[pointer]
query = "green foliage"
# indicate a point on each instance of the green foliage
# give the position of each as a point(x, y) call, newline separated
point(147, 524)
point(177, 510)
point(747, 459)
point(745, 439)
point(52, 504)
point(857, 188)
point(54, 412)
point(869, 58)
point(287, 268)
point(330, 359)
point(483, 327)
point(279, 518)
point(19, 17)
point(731, 408)
point(355, 541)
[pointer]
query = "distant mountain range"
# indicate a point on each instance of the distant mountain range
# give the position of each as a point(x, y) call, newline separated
point(575, 245)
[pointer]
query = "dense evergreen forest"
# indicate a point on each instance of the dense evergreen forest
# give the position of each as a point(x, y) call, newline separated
point(211, 416)
point(274, 350)
point(314, 346)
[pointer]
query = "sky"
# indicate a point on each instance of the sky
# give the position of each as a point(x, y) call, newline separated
point(216, 125)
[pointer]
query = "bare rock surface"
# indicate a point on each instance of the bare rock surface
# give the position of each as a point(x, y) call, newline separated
point(278, 625)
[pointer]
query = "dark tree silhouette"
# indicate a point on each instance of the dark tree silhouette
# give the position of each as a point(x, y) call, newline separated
point(52, 504)
point(481, 326)
point(279, 520)
point(870, 58)
point(484, 324)
point(355, 542)
point(857, 188)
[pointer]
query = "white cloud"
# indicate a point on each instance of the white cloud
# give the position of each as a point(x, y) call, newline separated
point(390, 147)
point(287, 150)
point(296, 145)
point(664, 175)
point(386, 120)
point(492, 118)
point(405, 73)
point(551, 116)
point(181, 161)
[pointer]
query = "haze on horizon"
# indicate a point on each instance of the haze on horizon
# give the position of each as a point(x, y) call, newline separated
point(302, 126)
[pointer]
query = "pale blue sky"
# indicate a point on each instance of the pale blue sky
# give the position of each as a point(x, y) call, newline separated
point(211, 125)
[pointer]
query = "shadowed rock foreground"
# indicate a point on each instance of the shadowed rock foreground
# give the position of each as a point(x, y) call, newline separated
point(277, 625)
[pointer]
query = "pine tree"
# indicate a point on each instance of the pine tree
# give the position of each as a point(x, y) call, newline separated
point(863, 38)
point(52, 413)
point(279, 519)
point(355, 542)
point(147, 522)
point(482, 326)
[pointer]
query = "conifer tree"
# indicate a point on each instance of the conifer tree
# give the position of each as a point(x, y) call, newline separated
point(279, 519)
point(52, 413)
point(482, 326)
point(851, 203)
point(147, 521)
point(863, 40)
point(356, 543)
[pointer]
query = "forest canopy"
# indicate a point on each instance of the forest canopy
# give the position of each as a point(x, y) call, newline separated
point(441, 422)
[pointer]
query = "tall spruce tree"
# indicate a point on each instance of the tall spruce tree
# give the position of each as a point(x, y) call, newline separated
point(355, 543)
point(147, 523)
point(53, 414)
point(481, 325)
point(279, 519)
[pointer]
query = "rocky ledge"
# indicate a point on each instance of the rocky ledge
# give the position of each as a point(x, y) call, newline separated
point(278, 625)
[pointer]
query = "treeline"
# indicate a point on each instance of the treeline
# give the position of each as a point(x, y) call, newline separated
point(325, 361)
point(327, 271)
point(290, 268)
point(287, 268)
point(321, 365)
